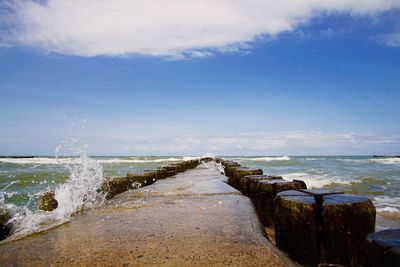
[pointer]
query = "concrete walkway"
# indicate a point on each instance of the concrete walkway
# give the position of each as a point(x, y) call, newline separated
point(191, 219)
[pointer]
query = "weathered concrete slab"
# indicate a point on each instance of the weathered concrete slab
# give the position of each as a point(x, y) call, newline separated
point(193, 219)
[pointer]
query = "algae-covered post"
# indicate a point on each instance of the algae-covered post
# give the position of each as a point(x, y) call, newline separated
point(247, 181)
point(383, 249)
point(239, 173)
point(266, 190)
point(316, 226)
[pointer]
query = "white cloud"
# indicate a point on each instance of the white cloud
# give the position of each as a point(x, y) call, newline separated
point(296, 142)
point(391, 39)
point(160, 27)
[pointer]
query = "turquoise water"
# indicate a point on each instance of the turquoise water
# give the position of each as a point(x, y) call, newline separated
point(23, 180)
point(77, 178)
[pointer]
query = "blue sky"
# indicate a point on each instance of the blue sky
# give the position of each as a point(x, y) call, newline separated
point(324, 83)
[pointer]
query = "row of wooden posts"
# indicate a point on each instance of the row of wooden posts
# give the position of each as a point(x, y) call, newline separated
point(316, 226)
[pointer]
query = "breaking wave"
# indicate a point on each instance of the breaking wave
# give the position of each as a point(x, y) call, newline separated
point(387, 204)
point(74, 160)
point(395, 160)
point(266, 159)
point(80, 191)
point(316, 180)
point(136, 160)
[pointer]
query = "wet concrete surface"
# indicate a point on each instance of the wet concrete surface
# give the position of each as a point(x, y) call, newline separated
point(191, 219)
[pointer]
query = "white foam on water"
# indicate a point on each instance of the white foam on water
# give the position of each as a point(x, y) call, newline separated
point(80, 191)
point(315, 180)
point(40, 161)
point(266, 159)
point(387, 204)
point(395, 161)
point(134, 160)
point(72, 160)
point(214, 166)
point(354, 160)
point(190, 158)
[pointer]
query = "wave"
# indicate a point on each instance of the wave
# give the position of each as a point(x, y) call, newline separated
point(387, 204)
point(46, 161)
point(315, 180)
point(312, 159)
point(71, 161)
point(354, 160)
point(387, 160)
point(79, 192)
point(267, 159)
point(134, 160)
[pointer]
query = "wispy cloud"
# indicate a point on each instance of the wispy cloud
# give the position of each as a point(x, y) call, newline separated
point(161, 28)
point(391, 39)
point(296, 142)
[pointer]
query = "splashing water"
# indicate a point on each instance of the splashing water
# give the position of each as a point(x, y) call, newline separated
point(214, 166)
point(80, 191)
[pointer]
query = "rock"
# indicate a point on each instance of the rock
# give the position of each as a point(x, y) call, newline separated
point(164, 173)
point(47, 201)
point(5, 227)
point(206, 159)
point(323, 227)
point(265, 192)
point(230, 169)
point(117, 185)
point(383, 249)
point(239, 173)
point(247, 182)
point(218, 160)
point(172, 168)
point(179, 167)
point(144, 178)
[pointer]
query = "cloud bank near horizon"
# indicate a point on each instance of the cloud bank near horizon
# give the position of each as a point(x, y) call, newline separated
point(251, 144)
point(286, 142)
point(174, 28)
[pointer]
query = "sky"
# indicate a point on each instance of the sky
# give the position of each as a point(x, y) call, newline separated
point(198, 77)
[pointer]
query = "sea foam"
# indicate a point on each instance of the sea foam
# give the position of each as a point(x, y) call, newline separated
point(386, 160)
point(80, 191)
point(266, 159)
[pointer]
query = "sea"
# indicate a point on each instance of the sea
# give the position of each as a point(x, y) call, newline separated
point(76, 181)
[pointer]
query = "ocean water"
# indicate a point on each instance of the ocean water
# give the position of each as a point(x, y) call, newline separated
point(76, 181)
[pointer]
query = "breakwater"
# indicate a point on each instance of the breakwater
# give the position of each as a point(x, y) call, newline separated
point(312, 226)
point(193, 218)
point(316, 226)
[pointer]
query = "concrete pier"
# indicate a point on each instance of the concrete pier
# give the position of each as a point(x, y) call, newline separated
point(191, 219)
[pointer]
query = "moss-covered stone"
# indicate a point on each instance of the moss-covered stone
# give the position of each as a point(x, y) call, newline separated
point(180, 167)
point(47, 201)
point(117, 185)
point(5, 227)
point(144, 178)
point(206, 159)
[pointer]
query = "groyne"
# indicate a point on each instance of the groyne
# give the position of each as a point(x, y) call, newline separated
point(195, 218)
point(316, 227)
